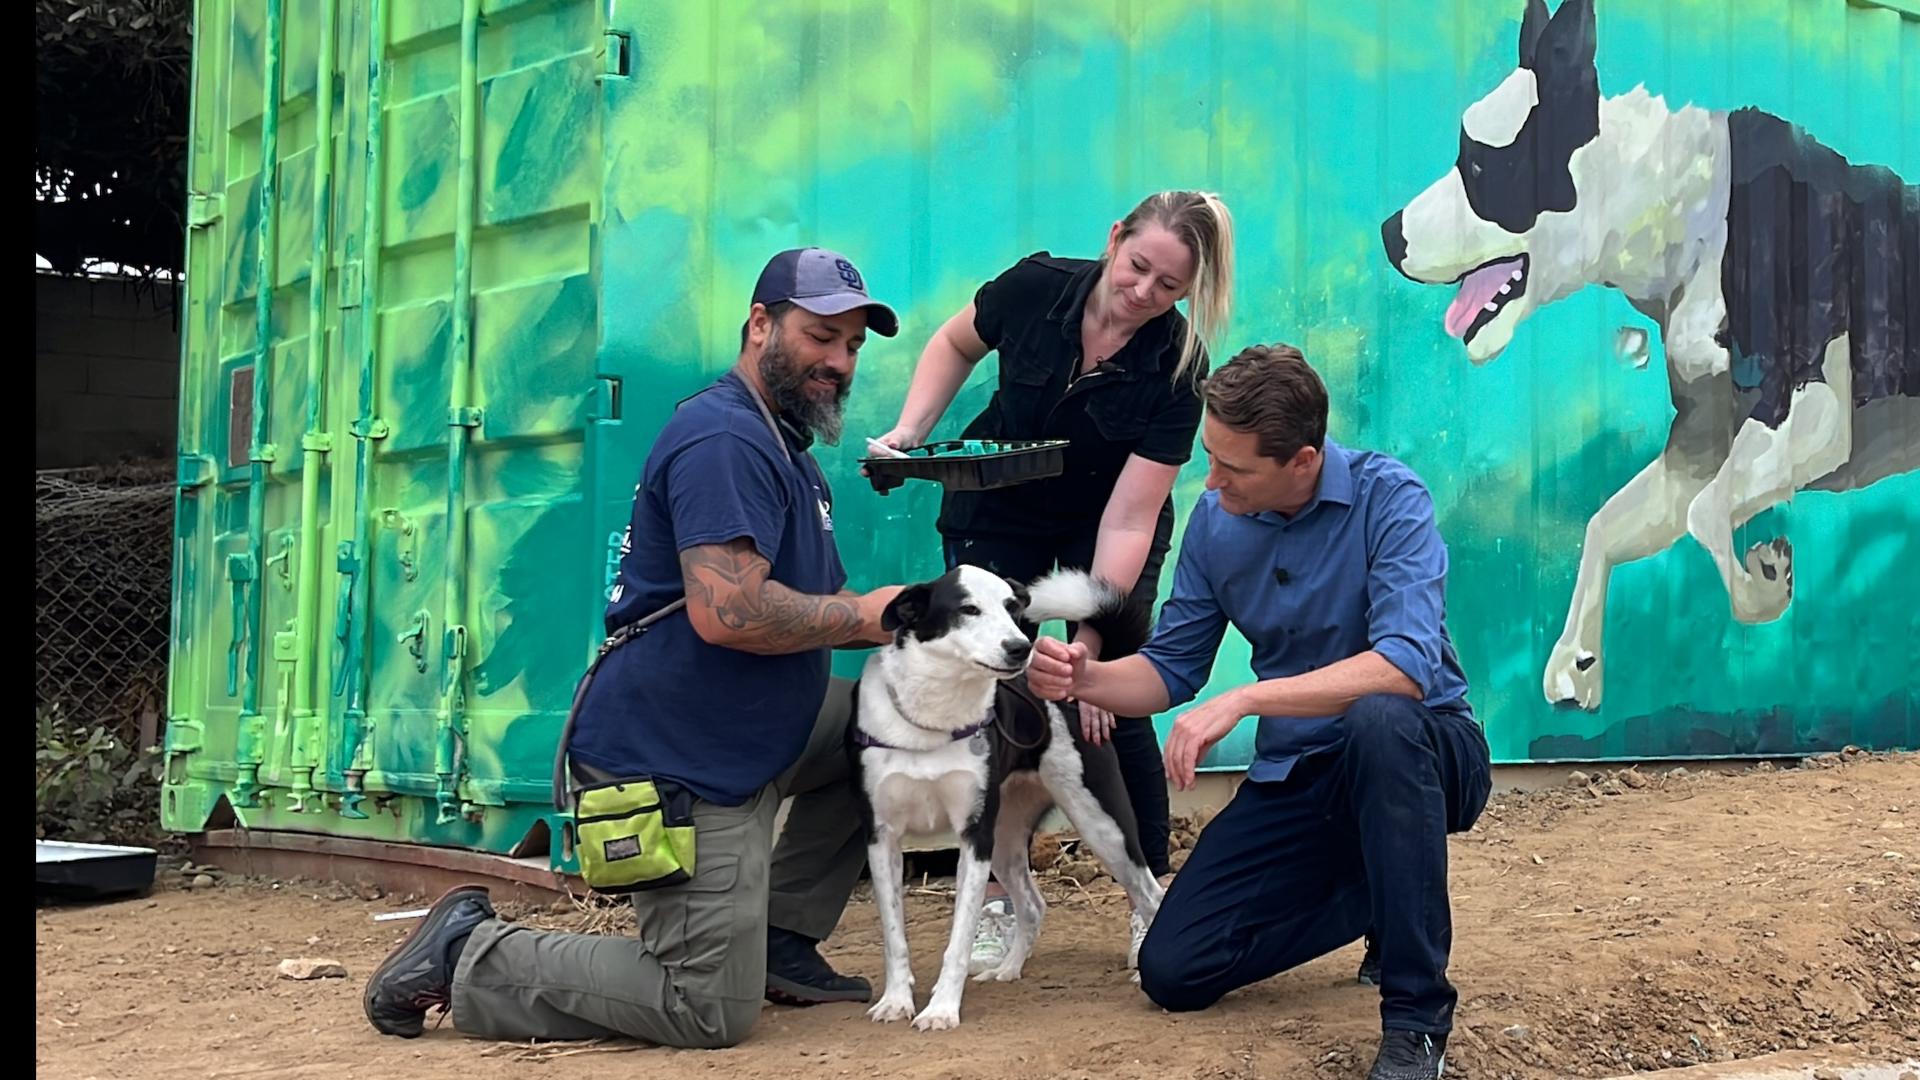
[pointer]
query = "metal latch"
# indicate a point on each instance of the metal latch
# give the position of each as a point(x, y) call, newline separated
point(414, 637)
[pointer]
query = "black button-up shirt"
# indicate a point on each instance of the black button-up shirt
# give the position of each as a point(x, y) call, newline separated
point(1129, 404)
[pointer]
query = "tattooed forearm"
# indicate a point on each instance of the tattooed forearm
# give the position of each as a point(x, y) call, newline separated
point(732, 603)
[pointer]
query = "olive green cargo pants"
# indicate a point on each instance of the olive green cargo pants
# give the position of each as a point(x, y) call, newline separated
point(696, 974)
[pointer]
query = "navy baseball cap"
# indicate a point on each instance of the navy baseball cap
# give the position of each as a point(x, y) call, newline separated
point(823, 282)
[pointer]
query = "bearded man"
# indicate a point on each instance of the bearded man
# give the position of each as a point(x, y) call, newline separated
point(723, 702)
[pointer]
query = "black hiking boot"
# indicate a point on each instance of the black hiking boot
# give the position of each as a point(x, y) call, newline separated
point(418, 974)
point(1409, 1055)
point(798, 975)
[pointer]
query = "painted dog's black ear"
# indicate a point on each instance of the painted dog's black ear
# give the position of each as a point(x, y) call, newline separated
point(1566, 47)
point(906, 608)
point(1531, 25)
point(1020, 594)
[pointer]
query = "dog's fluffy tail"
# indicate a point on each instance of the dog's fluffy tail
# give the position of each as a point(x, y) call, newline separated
point(1077, 596)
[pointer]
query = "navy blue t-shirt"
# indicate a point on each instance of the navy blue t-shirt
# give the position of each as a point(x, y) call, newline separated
point(722, 722)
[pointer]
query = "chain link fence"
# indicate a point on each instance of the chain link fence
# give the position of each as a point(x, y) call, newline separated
point(103, 549)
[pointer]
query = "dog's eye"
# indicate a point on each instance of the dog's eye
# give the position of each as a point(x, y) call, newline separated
point(969, 609)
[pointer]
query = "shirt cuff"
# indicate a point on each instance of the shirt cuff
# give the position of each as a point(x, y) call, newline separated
point(1405, 655)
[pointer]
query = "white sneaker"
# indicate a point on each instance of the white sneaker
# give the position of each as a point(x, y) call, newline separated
point(990, 939)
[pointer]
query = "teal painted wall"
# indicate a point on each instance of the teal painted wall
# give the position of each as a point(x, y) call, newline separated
point(621, 210)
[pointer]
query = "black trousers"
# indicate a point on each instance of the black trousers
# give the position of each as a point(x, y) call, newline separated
point(1354, 837)
point(1141, 765)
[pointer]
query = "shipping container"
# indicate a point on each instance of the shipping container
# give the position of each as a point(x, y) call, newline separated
point(452, 264)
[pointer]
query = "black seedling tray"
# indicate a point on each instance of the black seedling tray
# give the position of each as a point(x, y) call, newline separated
point(91, 871)
point(969, 464)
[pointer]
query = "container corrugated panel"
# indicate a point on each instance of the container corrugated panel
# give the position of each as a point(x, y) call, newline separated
point(539, 223)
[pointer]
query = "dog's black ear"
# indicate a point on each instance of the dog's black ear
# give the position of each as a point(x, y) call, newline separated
point(1020, 594)
point(1565, 48)
point(1531, 25)
point(906, 608)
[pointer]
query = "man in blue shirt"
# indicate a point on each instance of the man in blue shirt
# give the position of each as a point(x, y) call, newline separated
point(1328, 561)
point(723, 702)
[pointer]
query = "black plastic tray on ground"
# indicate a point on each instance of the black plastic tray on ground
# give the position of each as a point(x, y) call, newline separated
point(68, 871)
point(969, 464)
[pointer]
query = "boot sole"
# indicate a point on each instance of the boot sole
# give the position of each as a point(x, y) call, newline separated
point(783, 991)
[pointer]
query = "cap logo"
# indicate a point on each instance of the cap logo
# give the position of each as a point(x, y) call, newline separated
point(848, 274)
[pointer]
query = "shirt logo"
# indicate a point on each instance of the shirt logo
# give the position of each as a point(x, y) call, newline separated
point(826, 515)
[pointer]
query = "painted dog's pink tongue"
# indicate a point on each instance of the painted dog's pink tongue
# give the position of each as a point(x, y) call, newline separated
point(1476, 290)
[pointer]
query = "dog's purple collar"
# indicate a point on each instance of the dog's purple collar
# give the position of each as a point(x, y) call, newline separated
point(865, 741)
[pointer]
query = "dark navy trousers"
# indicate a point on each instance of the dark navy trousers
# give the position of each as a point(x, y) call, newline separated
point(1354, 837)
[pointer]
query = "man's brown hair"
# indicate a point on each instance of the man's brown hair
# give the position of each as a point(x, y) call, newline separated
point(1270, 391)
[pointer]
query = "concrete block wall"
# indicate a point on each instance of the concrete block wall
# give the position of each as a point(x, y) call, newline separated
point(106, 371)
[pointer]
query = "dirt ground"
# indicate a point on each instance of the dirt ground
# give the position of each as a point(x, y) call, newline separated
point(1633, 921)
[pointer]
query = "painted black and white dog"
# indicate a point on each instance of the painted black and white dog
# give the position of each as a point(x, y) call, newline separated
point(948, 736)
point(1784, 279)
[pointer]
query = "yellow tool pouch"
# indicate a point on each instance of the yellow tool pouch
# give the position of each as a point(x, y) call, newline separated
point(631, 835)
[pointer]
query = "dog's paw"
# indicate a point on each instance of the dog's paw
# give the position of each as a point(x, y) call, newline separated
point(1137, 929)
point(1573, 677)
point(891, 1007)
point(938, 1018)
point(1768, 588)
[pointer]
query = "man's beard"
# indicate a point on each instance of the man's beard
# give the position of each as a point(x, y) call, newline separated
point(786, 384)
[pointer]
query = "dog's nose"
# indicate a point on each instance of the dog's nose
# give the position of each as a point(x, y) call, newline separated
point(1017, 649)
point(1394, 235)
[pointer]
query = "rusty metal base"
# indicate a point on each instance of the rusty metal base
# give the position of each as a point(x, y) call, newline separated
point(397, 869)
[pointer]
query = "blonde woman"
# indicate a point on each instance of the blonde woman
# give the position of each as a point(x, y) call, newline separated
point(1092, 351)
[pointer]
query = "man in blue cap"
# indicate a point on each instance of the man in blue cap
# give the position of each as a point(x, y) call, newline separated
point(725, 700)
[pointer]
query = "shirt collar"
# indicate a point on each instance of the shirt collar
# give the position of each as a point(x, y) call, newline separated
point(1335, 486)
point(1336, 474)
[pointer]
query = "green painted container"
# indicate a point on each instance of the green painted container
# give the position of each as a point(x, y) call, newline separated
point(492, 244)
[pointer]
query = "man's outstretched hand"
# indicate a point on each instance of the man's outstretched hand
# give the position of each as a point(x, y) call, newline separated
point(1195, 733)
point(1057, 668)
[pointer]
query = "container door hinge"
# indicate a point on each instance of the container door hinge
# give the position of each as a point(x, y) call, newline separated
point(196, 470)
point(617, 61)
point(203, 209)
point(606, 399)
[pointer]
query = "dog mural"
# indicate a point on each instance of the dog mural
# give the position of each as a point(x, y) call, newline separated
point(1785, 282)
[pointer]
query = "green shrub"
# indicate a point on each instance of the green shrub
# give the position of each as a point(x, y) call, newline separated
point(91, 787)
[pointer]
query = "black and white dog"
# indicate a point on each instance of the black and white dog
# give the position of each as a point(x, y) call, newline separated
point(1784, 279)
point(948, 736)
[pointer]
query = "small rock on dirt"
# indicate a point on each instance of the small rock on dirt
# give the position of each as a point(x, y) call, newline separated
point(1633, 778)
point(1576, 778)
point(304, 968)
point(1517, 1032)
point(201, 881)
